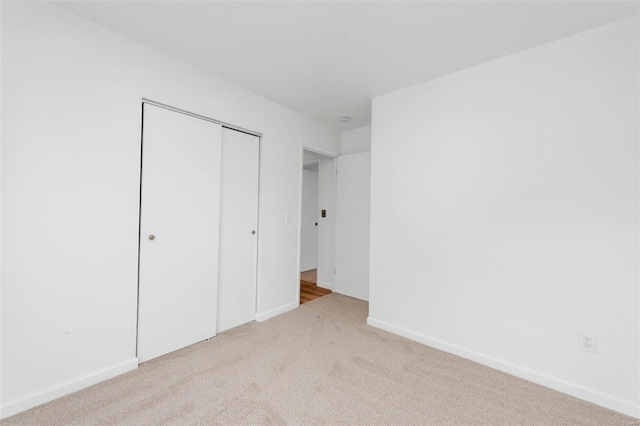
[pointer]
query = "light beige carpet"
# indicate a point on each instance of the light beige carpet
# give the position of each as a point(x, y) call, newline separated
point(318, 364)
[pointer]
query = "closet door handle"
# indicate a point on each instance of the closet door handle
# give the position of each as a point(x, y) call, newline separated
point(253, 232)
point(152, 237)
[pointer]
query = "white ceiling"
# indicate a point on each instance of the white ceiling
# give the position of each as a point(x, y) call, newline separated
point(328, 59)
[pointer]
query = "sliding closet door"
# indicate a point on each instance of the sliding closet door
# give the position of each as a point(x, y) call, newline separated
point(238, 229)
point(179, 231)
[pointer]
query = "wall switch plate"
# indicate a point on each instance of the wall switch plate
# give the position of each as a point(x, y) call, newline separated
point(588, 342)
point(287, 218)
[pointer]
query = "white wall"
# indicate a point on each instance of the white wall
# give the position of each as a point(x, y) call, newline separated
point(71, 115)
point(309, 157)
point(310, 213)
point(356, 140)
point(326, 175)
point(504, 214)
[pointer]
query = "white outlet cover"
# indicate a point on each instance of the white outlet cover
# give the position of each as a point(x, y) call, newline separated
point(588, 342)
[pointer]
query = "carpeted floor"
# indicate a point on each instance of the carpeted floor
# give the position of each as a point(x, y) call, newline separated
point(317, 364)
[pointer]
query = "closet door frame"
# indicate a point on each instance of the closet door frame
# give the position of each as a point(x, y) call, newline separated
point(224, 125)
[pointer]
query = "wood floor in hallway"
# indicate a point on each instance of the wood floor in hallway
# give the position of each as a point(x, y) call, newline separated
point(308, 288)
point(310, 276)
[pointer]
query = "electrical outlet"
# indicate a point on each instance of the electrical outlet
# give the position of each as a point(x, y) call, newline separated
point(588, 342)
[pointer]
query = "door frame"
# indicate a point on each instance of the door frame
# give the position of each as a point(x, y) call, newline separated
point(333, 155)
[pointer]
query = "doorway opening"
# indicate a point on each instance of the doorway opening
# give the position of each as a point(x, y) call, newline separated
point(317, 221)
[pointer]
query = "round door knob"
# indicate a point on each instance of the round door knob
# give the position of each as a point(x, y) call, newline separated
point(152, 237)
point(253, 232)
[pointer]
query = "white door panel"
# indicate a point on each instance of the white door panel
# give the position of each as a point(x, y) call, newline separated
point(352, 225)
point(180, 206)
point(238, 221)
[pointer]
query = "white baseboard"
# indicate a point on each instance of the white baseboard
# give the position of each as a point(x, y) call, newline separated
point(324, 284)
point(612, 402)
point(16, 406)
point(275, 312)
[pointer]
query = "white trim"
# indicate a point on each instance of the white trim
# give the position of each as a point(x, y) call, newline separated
point(320, 150)
point(588, 394)
point(299, 227)
point(278, 311)
point(334, 207)
point(202, 117)
point(67, 387)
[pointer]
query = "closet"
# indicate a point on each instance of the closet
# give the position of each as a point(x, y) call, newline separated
point(198, 230)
